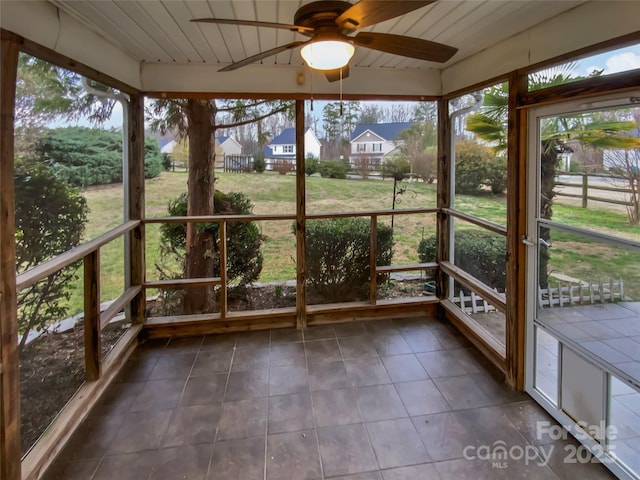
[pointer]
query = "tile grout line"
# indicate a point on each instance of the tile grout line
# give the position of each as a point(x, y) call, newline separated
point(174, 412)
point(362, 421)
point(215, 436)
point(313, 409)
point(266, 423)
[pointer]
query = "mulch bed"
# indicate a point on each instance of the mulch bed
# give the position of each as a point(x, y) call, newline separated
point(51, 371)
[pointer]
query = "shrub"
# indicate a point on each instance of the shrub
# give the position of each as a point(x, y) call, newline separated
point(472, 160)
point(396, 168)
point(85, 156)
point(259, 163)
point(337, 260)
point(311, 165)
point(152, 160)
point(244, 241)
point(425, 165)
point(167, 164)
point(479, 253)
point(333, 169)
point(50, 219)
point(283, 166)
point(363, 166)
point(574, 166)
point(497, 175)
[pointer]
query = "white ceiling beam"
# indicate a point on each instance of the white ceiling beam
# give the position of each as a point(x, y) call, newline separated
point(254, 79)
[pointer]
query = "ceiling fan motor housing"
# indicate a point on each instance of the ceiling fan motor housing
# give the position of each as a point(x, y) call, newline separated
point(320, 14)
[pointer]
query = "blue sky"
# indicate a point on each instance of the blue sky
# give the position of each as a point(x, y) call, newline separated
point(613, 61)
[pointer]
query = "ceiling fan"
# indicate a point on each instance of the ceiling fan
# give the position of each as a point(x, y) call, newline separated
point(329, 24)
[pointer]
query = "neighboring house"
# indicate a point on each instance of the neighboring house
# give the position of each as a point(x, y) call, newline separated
point(166, 146)
point(229, 145)
point(226, 146)
point(283, 146)
point(373, 142)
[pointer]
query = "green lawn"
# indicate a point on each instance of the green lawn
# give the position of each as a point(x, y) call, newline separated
point(271, 193)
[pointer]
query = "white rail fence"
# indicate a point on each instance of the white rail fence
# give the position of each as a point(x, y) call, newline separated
point(564, 294)
point(568, 294)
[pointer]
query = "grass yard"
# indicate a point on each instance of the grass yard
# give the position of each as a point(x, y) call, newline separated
point(271, 193)
point(594, 262)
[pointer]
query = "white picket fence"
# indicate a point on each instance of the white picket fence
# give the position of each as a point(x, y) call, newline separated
point(473, 303)
point(568, 294)
point(564, 294)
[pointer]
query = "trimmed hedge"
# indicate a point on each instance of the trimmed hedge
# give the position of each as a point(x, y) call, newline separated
point(337, 262)
point(480, 253)
point(311, 166)
point(333, 169)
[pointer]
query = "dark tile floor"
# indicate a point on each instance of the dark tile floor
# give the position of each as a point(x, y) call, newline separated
point(404, 399)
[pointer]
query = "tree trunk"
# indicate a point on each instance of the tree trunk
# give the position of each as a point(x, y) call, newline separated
point(548, 165)
point(199, 259)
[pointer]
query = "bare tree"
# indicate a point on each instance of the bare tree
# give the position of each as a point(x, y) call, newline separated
point(626, 164)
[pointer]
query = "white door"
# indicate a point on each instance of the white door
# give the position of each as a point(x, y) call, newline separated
point(583, 301)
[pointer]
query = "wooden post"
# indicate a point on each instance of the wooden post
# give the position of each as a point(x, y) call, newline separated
point(585, 190)
point(301, 213)
point(136, 244)
point(444, 196)
point(92, 339)
point(9, 366)
point(516, 321)
point(223, 268)
point(373, 260)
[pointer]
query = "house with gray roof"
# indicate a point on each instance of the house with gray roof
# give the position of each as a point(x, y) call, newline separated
point(373, 142)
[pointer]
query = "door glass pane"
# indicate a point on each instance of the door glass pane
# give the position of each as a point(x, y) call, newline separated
point(624, 423)
point(590, 169)
point(589, 294)
point(546, 364)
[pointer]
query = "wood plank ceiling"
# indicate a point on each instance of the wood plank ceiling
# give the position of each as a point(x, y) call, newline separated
point(160, 31)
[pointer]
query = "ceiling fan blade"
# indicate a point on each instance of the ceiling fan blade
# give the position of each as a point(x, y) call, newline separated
point(334, 75)
point(252, 23)
point(369, 12)
point(405, 46)
point(260, 56)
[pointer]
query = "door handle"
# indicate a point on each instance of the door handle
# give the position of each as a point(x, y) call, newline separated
point(543, 242)
point(530, 243)
point(526, 241)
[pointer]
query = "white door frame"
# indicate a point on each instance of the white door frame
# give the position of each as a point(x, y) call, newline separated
point(531, 240)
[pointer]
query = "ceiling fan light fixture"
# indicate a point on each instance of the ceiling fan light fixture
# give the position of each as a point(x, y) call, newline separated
point(327, 54)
